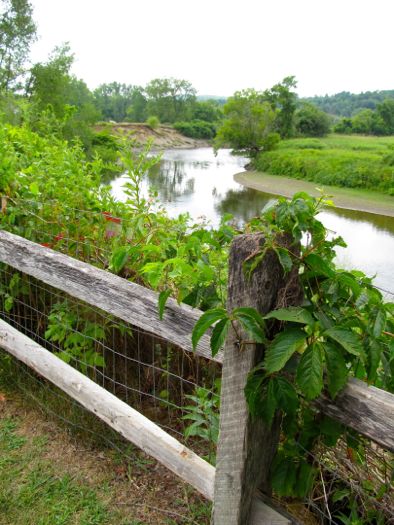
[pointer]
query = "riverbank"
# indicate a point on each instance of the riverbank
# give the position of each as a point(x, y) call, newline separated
point(163, 137)
point(348, 198)
point(359, 162)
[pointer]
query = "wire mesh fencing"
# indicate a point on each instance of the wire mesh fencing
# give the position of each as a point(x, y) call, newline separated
point(175, 389)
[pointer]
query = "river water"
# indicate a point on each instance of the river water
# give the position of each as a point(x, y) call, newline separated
point(200, 183)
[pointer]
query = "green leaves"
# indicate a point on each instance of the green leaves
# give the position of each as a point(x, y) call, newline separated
point(282, 348)
point(252, 322)
point(207, 319)
point(295, 314)
point(348, 340)
point(219, 334)
point(310, 371)
point(337, 371)
point(119, 258)
point(163, 296)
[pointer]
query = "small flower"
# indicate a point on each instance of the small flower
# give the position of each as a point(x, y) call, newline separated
point(109, 234)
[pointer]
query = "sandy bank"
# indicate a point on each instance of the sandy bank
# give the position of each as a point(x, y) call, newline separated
point(349, 198)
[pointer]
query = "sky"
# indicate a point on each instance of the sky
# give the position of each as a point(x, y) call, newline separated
point(222, 46)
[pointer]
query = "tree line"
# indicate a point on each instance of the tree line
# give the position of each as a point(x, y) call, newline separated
point(347, 104)
point(52, 99)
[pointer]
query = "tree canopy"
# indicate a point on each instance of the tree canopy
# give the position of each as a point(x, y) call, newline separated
point(17, 32)
point(249, 123)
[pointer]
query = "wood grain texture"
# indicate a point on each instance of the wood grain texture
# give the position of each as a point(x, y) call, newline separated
point(138, 305)
point(246, 448)
point(366, 409)
point(131, 424)
point(130, 302)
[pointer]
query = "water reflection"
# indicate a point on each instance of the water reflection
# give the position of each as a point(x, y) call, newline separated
point(243, 203)
point(170, 180)
point(202, 184)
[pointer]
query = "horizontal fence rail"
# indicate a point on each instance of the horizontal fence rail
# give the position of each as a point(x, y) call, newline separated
point(132, 425)
point(128, 301)
point(128, 422)
point(368, 410)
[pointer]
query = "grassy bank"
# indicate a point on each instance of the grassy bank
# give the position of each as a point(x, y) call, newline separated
point(349, 198)
point(338, 160)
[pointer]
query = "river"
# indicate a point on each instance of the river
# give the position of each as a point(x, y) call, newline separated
point(200, 183)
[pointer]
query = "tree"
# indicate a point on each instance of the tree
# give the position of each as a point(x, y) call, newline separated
point(311, 121)
point(208, 110)
point(284, 101)
point(17, 32)
point(364, 121)
point(52, 88)
point(170, 99)
point(120, 102)
point(249, 124)
point(385, 110)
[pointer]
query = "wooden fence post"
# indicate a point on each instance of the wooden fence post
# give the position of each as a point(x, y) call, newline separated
point(246, 448)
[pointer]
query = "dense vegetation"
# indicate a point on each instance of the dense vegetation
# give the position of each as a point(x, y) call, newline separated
point(347, 104)
point(347, 161)
point(343, 327)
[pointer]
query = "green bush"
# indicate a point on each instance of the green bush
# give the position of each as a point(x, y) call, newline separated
point(153, 122)
point(197, 129)
point(367, 164)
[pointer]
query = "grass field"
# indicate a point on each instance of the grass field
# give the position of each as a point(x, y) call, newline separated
point(339, 160)
point(53, 473)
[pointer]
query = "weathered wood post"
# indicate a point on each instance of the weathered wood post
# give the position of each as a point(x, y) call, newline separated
point(246, 448)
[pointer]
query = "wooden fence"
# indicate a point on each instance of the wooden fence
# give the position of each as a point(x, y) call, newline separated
point(246, 448)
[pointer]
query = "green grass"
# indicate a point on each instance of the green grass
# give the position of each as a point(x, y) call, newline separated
point(339, 160)
point(32, 492)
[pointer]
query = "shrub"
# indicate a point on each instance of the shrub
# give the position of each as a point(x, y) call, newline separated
point(197, 129)
point(153, 122)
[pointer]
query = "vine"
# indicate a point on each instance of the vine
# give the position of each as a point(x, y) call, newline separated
point(342, 329)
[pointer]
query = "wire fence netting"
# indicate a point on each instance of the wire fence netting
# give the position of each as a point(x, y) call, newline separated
point(177, 390)
point(163, 382)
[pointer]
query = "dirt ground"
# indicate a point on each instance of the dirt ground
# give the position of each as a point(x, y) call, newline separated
point(134, 491)
point(163, 137)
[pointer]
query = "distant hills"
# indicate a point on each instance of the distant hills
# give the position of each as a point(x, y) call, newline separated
point(344, 104)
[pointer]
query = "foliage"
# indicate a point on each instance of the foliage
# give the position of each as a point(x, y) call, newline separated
point(17, 33)
point(343, 328)
point(347, 104)
point(153, 122)
point(203, 416)
point(197, 129)
point(170, 99)
point(312, 122)
point(379, 121)
point(53, 90)
point(341, 161)
point(120, 102)
point(248, 125)
point(207, 110)
point(284, 102)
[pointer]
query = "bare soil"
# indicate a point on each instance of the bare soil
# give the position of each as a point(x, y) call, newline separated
point(163, 137)
point(135, 491)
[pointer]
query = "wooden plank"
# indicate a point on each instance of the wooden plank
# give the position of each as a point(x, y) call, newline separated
point(130, 302)
point(131, 424)
point(246, 447)
point(138, 305)
point(366, 409)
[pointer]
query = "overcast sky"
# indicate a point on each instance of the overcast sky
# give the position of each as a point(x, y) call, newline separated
point(221, 46)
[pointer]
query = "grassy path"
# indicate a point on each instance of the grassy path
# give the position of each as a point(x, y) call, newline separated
point(352, 199)
point(51, 476)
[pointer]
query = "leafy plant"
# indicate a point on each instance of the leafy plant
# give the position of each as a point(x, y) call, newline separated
point(204, 417)
point(342, 329)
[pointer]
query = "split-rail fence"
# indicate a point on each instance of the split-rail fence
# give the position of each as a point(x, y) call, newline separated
point(239, 485)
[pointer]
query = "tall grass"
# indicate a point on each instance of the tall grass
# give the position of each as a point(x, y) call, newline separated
point(347, 161)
